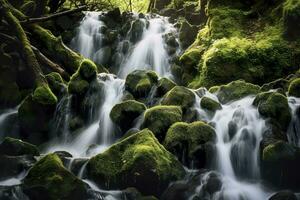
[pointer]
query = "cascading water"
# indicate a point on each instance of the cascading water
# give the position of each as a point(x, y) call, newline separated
point(150, 53)
point(294, 128)
point(239, 130)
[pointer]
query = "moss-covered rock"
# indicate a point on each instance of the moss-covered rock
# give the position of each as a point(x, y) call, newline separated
point(49, 178)
point(294, 88)
point(164, 85)
point(140, 82)
point(159, 118)
point(44, 96)
point(281, 162)
point(189, 142)
point(15, 147)
point(291, 17)
point(35, 118)
point(88, 69)
point(126, 112)
point(56, 83)
point(179, 96)
point(210, 104)
point(235, 91)
point(187, 33)
point(275, 106)
point(137, 161)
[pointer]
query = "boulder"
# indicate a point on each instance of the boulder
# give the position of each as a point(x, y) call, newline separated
point(164, 85)
point(48, 178)
point(275, 159)
point(137, 161)
point(15, 147)
point(140, 82)
point(283, 195)
point(190, 142)
point(159, 118)
point(179, 96)
point(294, 88)
point(56, 83)
point(236, 90)
point(210, 104)
point(275, 106)
point(124, 113)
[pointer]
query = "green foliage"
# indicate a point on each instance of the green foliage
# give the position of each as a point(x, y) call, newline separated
point(131, 161)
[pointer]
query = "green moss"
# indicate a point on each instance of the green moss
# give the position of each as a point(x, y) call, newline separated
point(131, 161)
point(183, 137)
point(164, 85)
point(15, 147)
point(179, 96)
point(291, 17)
point(210, 104)
point(77, 85)
point(44, 95)
point(236, 90)
point(126, 112)
point(56, 83)
point(88, 69)
point(278, 151)
point(191, 58)
point(159, 118)
point(294, 88)
point(50, 174)
point(225, 22)
point(140, 82)
point(275, 106)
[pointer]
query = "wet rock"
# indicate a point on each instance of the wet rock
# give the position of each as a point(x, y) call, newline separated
point(187, 33)
point(294, 88)
point(49, 178)
point(56, 84)
point(275, 106)
point(136, 31)
point(159, 118)
point(124, 113)
point(179, 96)
point(16, 147)
point(164, 85)
point(12, 166)
point(140, 82)
point(275, 159)
point(189, 142)
point(133, 160)
point(236, 90)
point(210, 104)
point(283, 195)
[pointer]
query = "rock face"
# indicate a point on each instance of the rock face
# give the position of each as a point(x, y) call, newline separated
point(280, 164)
point(140, 82)
point(159, 118)
point(49, 178)
point(132, 161)
point(190, 142)
point(15, 147)
point(126, 112)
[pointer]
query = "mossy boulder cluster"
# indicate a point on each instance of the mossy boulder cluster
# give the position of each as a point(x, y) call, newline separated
point(191, 142)
point(131, 161)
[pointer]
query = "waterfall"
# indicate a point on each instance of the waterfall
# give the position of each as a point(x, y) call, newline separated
point(294, 127)
point(239, 130)
point(88, 40)
point(4, 116)
point(150, 52)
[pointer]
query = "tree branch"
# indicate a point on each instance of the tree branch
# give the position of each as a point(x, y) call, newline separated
point(55, 15)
